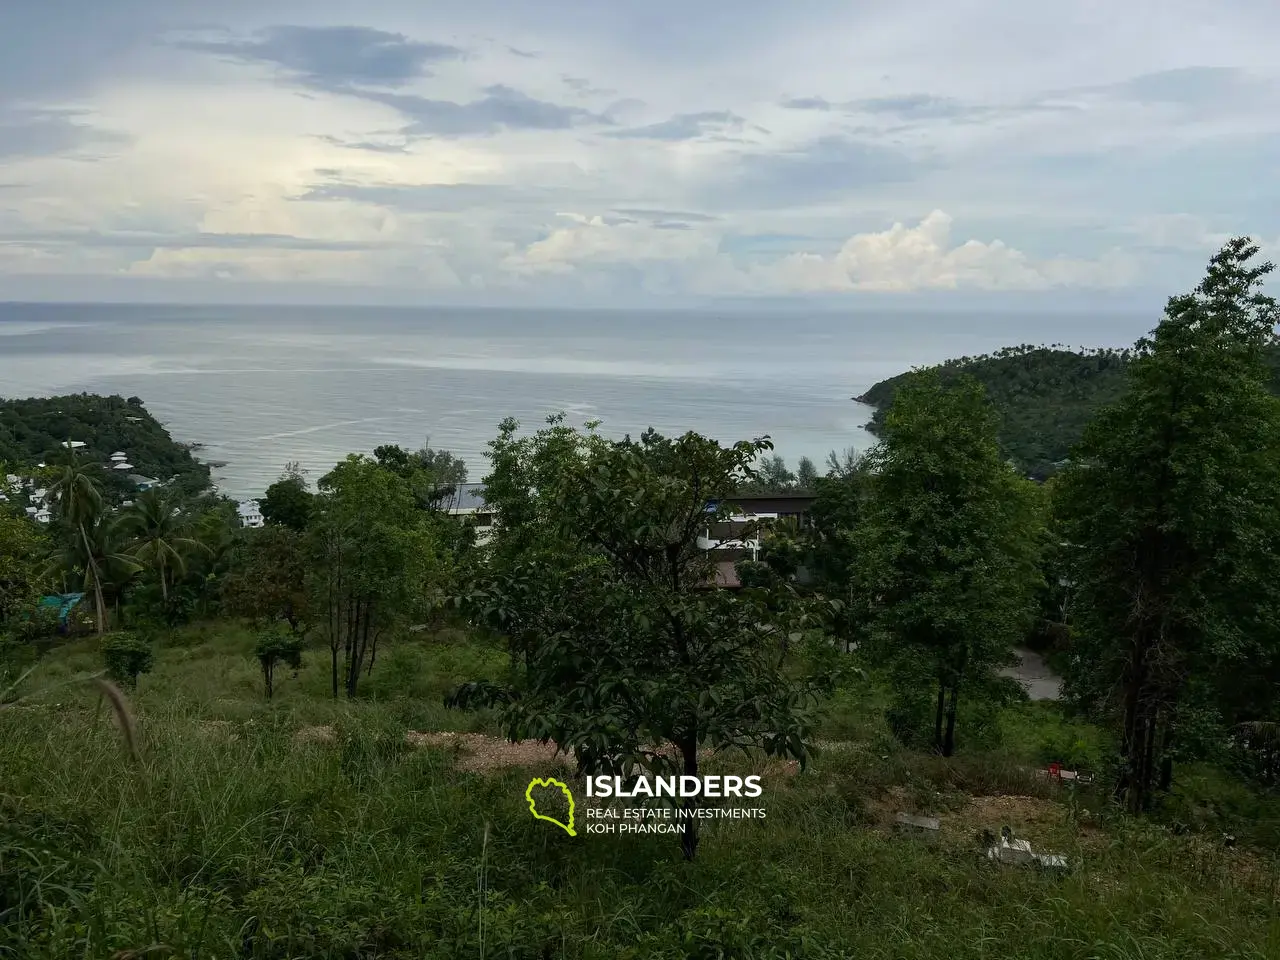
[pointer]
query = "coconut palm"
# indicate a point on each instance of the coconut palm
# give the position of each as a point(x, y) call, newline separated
point(160, 536)
point(78, 497)
point(95, 556)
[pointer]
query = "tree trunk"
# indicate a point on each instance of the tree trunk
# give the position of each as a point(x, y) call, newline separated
point(1166, 759)
point(949, 741)
point(937, 720)
point(689, 841)
point(97, 580)
point(266, 675)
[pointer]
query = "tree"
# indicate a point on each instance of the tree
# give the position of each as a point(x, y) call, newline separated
point(434, 475)
point(374, 562)
point(267, 578)
point(96, 554)
point(806, 475)
point(160, 536)
point(622, 644)
point(23, 578)
point(1172, 510)
point(769, 476)
point(77, 493)
point(288, 502)
point(945, 552)
point(274, 648)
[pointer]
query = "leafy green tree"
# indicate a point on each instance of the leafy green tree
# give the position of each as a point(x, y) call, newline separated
point(375, 562)
point(127, 656)
point(945, 552)
point(1173, 515)
point(622, 644)
point(273, 649)
point(806, 475)
point(434, 475)
point(770, 475)
point(23, 549)
point(97, 557)
point(159, 536)
point(266, 580)
point(288, 502)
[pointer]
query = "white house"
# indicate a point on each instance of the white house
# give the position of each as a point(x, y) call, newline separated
point(250, 514)
point(122, 466)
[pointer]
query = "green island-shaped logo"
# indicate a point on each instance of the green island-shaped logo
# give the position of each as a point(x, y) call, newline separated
point(533, 804)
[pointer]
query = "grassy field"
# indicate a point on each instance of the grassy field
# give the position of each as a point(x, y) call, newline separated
point(241, 831)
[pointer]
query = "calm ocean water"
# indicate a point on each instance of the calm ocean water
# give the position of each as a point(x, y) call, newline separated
point(261, 386)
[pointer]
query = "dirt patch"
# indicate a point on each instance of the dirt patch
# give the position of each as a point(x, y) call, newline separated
point(308, 735)
point(479, 753)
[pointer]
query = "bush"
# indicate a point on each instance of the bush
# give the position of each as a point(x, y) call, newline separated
point(127, 656)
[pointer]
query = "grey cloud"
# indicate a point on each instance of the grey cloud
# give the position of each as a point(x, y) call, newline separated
point(685, 126)
point(828, 167)
point(915, 106)
point(501, 107)
point(371, 146)
point(334, 57)
point(150, 240)
point(656, 215)
point(429, 197)
point(584, 87)
point(670, 225)
point(527, 54)
point(43, 133)
point(809, 103)
point(1187, 85)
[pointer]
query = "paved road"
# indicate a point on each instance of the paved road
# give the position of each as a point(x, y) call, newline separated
point(1034, 674)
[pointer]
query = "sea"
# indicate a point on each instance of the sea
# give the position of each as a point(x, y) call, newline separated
point(259, 387)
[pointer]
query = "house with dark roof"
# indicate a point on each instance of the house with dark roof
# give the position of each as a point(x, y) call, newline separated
point(467, 501)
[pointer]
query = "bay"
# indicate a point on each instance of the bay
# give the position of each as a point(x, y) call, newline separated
point(261, 386)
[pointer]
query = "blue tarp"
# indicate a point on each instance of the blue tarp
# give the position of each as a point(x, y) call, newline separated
point(63, 602)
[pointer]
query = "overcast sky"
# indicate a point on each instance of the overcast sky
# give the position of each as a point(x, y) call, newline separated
point(595, 150)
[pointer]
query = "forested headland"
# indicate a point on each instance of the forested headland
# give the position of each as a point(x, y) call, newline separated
point(1043, 395)
point(315, 738)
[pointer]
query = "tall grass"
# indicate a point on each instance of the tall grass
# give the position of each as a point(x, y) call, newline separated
point(228, 838)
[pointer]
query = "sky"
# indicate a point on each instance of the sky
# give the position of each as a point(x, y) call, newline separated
point(575, 152)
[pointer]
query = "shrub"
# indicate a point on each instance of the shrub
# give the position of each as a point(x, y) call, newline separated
point(127, 656)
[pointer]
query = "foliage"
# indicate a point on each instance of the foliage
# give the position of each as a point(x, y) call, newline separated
point(434, 475)
point(23, 549)
point(159, 535)
point(945, 551)
point(36, 430)
point(126, 657)
point(1173, 514)
point(267, 580)
point(375, 563)
point(274, 648)
point(288, 502)
point(605, 600)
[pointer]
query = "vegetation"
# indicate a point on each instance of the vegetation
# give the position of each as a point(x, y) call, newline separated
point(37, 429)
point(1173, 514)
point(856, 671)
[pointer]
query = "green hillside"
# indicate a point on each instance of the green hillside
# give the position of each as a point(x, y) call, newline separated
point(34, 430)
point(1044, 395)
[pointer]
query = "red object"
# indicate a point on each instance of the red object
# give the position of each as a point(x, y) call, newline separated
point(1055, 770)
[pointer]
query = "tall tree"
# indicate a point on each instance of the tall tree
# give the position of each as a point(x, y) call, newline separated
point(267, 578)
point(624, 645)
point(160, 536)
point(376, 562)
point(1173, 514)
point(77, 491)
point(946, 550)
point(23, 548)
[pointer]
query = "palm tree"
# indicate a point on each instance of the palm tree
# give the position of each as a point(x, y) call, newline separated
point(80, 505)
point(159, 533)
point(96, 555)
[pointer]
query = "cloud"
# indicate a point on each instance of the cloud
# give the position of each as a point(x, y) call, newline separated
point(685, 126)
point(812, 173)
point(910, 259)
point(501, 108)
point(50, 132)
point(147, 240)
point(1192, 86)
point(430, 197)
point(370, 146)
point(335, 57)
point(683, 216)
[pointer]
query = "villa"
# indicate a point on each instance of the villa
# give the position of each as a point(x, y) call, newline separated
point(250, 513)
